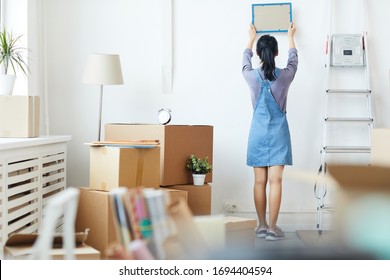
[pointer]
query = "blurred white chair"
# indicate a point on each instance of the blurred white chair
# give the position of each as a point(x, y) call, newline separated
point(63, 203)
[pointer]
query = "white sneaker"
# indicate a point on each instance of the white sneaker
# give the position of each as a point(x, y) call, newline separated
point(261, 231)
point(275, 234)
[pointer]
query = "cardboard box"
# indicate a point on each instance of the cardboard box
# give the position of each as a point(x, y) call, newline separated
point(178, 142)
point(19, 116)
point(363, 205)
point(355, 183)
point(176, 195)
point(199, 198)
point(19, 246)
point(94, 212)
point(111, 167)
point(380, 146)
point(240, 232)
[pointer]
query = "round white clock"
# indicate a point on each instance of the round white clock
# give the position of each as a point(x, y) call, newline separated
point(164, 116)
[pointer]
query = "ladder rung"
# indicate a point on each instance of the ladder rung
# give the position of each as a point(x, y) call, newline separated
point(349, 66)
point(328, 207)
point(350, 120)
point(346, 149)
point(349, 91)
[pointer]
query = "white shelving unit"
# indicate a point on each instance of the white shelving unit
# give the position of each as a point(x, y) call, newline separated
point(31, 170)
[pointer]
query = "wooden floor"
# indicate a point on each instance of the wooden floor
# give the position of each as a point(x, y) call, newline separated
point(307, 244)
point(314, 238)
point(292, 240)
point(298, 245)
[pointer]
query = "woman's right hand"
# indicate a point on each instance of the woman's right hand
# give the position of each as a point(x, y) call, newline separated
point(291, 30)
point(291, 33)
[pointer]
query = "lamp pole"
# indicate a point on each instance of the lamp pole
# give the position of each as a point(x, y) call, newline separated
point(100, 111)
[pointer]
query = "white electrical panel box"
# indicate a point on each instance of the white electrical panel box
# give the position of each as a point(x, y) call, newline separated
point(347, 50)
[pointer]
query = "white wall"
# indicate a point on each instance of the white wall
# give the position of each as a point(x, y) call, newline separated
point(209, 38)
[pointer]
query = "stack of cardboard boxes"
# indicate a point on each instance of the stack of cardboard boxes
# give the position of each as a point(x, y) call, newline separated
point(159, 166)
point(162, 167)
point(113, 166)
point(177, 143)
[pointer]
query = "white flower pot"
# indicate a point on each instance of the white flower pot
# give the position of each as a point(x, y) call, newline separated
point(198, 179)
point(7, 83)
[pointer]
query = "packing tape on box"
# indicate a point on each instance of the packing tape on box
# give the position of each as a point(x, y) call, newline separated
point(140, 167)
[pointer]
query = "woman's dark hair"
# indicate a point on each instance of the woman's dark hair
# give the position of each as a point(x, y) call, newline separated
point(267, 49)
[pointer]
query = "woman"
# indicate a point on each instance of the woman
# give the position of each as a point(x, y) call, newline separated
point(269, 143)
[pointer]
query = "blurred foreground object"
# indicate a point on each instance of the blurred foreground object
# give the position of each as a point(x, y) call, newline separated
point(363, 207)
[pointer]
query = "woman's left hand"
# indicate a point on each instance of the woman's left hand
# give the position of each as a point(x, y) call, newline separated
point(252, 36)
point(252, 32)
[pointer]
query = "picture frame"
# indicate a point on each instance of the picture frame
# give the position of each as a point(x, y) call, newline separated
point(272, 17)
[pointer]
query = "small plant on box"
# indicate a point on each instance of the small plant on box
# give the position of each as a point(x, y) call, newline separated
point(198, 166)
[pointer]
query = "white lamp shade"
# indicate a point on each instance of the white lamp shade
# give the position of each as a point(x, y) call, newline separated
point(103, 69)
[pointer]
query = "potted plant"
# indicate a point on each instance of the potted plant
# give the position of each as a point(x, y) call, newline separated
point(199, 168)
point(12, 57)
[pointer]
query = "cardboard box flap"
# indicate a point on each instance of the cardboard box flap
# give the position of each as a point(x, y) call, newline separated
point(22, 239)
point(361, 178)
point(154, 124)
point(151, 143)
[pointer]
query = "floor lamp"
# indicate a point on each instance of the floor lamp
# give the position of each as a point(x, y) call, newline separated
point(102, 69)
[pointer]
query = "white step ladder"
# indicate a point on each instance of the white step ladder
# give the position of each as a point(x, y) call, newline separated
point(345, 53)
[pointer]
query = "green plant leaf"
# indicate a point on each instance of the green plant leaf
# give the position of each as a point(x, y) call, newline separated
point(197, 165)
point(12, 55)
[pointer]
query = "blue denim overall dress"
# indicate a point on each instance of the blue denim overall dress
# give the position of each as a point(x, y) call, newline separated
point(269, 140)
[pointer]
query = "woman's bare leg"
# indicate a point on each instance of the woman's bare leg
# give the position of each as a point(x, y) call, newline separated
point(275, 193)
point(259, 192)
